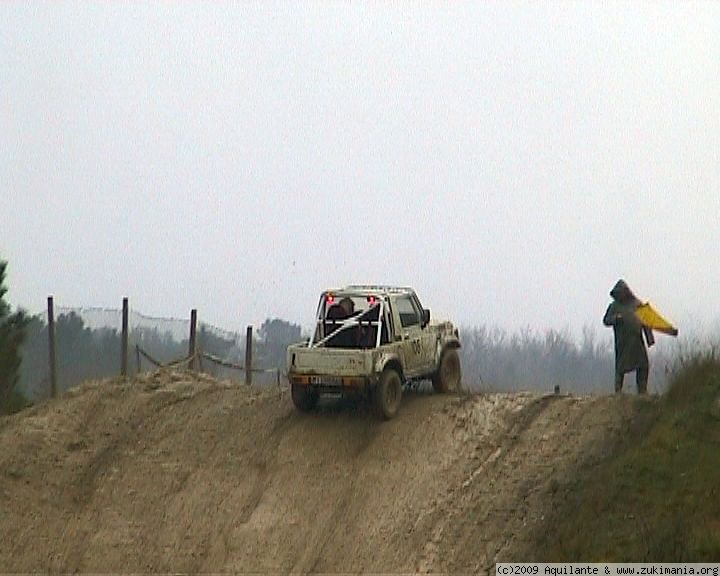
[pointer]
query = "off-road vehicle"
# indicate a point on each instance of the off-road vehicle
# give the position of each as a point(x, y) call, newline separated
point(371, 340)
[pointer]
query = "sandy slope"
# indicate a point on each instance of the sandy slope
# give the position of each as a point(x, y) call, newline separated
point(178, 473)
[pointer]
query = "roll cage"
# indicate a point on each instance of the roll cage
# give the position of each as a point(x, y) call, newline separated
point(368, 327)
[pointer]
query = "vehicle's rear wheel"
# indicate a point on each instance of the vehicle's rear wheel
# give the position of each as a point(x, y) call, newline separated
point(388, 394)
point(447, 377)
point(304, 397)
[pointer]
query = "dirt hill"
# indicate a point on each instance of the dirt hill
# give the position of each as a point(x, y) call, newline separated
point(174, 472)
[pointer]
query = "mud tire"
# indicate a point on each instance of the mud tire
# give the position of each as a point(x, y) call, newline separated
point(303, 397)
point(387, 395)
point(448, 375)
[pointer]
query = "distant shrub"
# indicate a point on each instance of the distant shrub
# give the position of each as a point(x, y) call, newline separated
point(12, 335)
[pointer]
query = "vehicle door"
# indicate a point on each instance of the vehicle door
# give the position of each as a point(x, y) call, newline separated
point(407, 325)
point(428, 340)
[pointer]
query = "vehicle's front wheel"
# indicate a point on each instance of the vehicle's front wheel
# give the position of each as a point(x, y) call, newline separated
point(447, 377)
point(388, 394)
point(304, 397)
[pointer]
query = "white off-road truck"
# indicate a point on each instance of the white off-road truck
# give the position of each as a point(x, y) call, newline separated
point(370, 340)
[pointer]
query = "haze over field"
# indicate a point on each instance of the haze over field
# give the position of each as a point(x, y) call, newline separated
point(509, 160)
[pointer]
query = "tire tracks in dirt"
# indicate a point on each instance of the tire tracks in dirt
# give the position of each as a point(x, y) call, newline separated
point(177, 473)
point(453, 506)
point(310, 562)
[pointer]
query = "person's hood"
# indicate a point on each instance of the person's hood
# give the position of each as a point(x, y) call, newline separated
point(621, 292)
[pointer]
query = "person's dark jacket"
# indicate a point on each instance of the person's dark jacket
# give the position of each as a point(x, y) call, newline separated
point(630, 351)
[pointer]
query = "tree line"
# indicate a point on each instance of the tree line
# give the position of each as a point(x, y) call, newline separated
point(85, 354)
point(492, 358)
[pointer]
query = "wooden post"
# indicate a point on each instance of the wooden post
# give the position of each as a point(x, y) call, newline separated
point(193, 332)
point(137, 357)
point(124, 353)
point(51, 347)
point(248, 356)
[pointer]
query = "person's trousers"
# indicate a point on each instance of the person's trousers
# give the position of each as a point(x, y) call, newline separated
point(641, 379)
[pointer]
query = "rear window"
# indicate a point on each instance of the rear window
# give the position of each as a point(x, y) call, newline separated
point(353, 306)
point(350, 321)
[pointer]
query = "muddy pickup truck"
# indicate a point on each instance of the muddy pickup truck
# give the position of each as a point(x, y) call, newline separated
point(370, 341)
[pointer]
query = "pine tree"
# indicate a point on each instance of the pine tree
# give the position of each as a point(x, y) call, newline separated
point(12, 334)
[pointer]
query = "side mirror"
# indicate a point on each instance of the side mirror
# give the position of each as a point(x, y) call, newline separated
point(426, 317)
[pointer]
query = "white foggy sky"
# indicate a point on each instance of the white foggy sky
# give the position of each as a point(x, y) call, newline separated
point(509, 160)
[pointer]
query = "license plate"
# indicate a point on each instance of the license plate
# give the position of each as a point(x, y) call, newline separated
point(326, 380)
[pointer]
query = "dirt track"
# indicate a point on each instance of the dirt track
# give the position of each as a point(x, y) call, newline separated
point(174, 473)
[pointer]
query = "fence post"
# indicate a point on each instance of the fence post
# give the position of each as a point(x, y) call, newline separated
point(137, 357)
point(193, 332)
point(51, 347)
point(124, 353)
point(248, 356)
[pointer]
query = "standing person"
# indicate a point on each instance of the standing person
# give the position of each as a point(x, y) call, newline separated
point(630, 351)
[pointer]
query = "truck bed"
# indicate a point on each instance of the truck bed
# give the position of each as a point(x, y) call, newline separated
point(330, 361)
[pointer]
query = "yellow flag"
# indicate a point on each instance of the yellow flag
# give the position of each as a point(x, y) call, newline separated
point(650, 318)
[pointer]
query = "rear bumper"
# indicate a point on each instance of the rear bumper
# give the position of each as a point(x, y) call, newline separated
point(325, 384)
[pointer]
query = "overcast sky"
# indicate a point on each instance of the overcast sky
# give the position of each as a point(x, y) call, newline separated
point(510, 161)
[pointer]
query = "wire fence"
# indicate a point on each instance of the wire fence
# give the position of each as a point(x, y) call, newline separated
point(190, 360)
point(98, 318)
point(68, 345)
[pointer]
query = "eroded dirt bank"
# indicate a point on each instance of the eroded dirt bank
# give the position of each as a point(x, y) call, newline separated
point(179, 473)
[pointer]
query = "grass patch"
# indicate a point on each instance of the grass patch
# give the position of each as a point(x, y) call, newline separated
point(656, 496)
point(14, 403)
